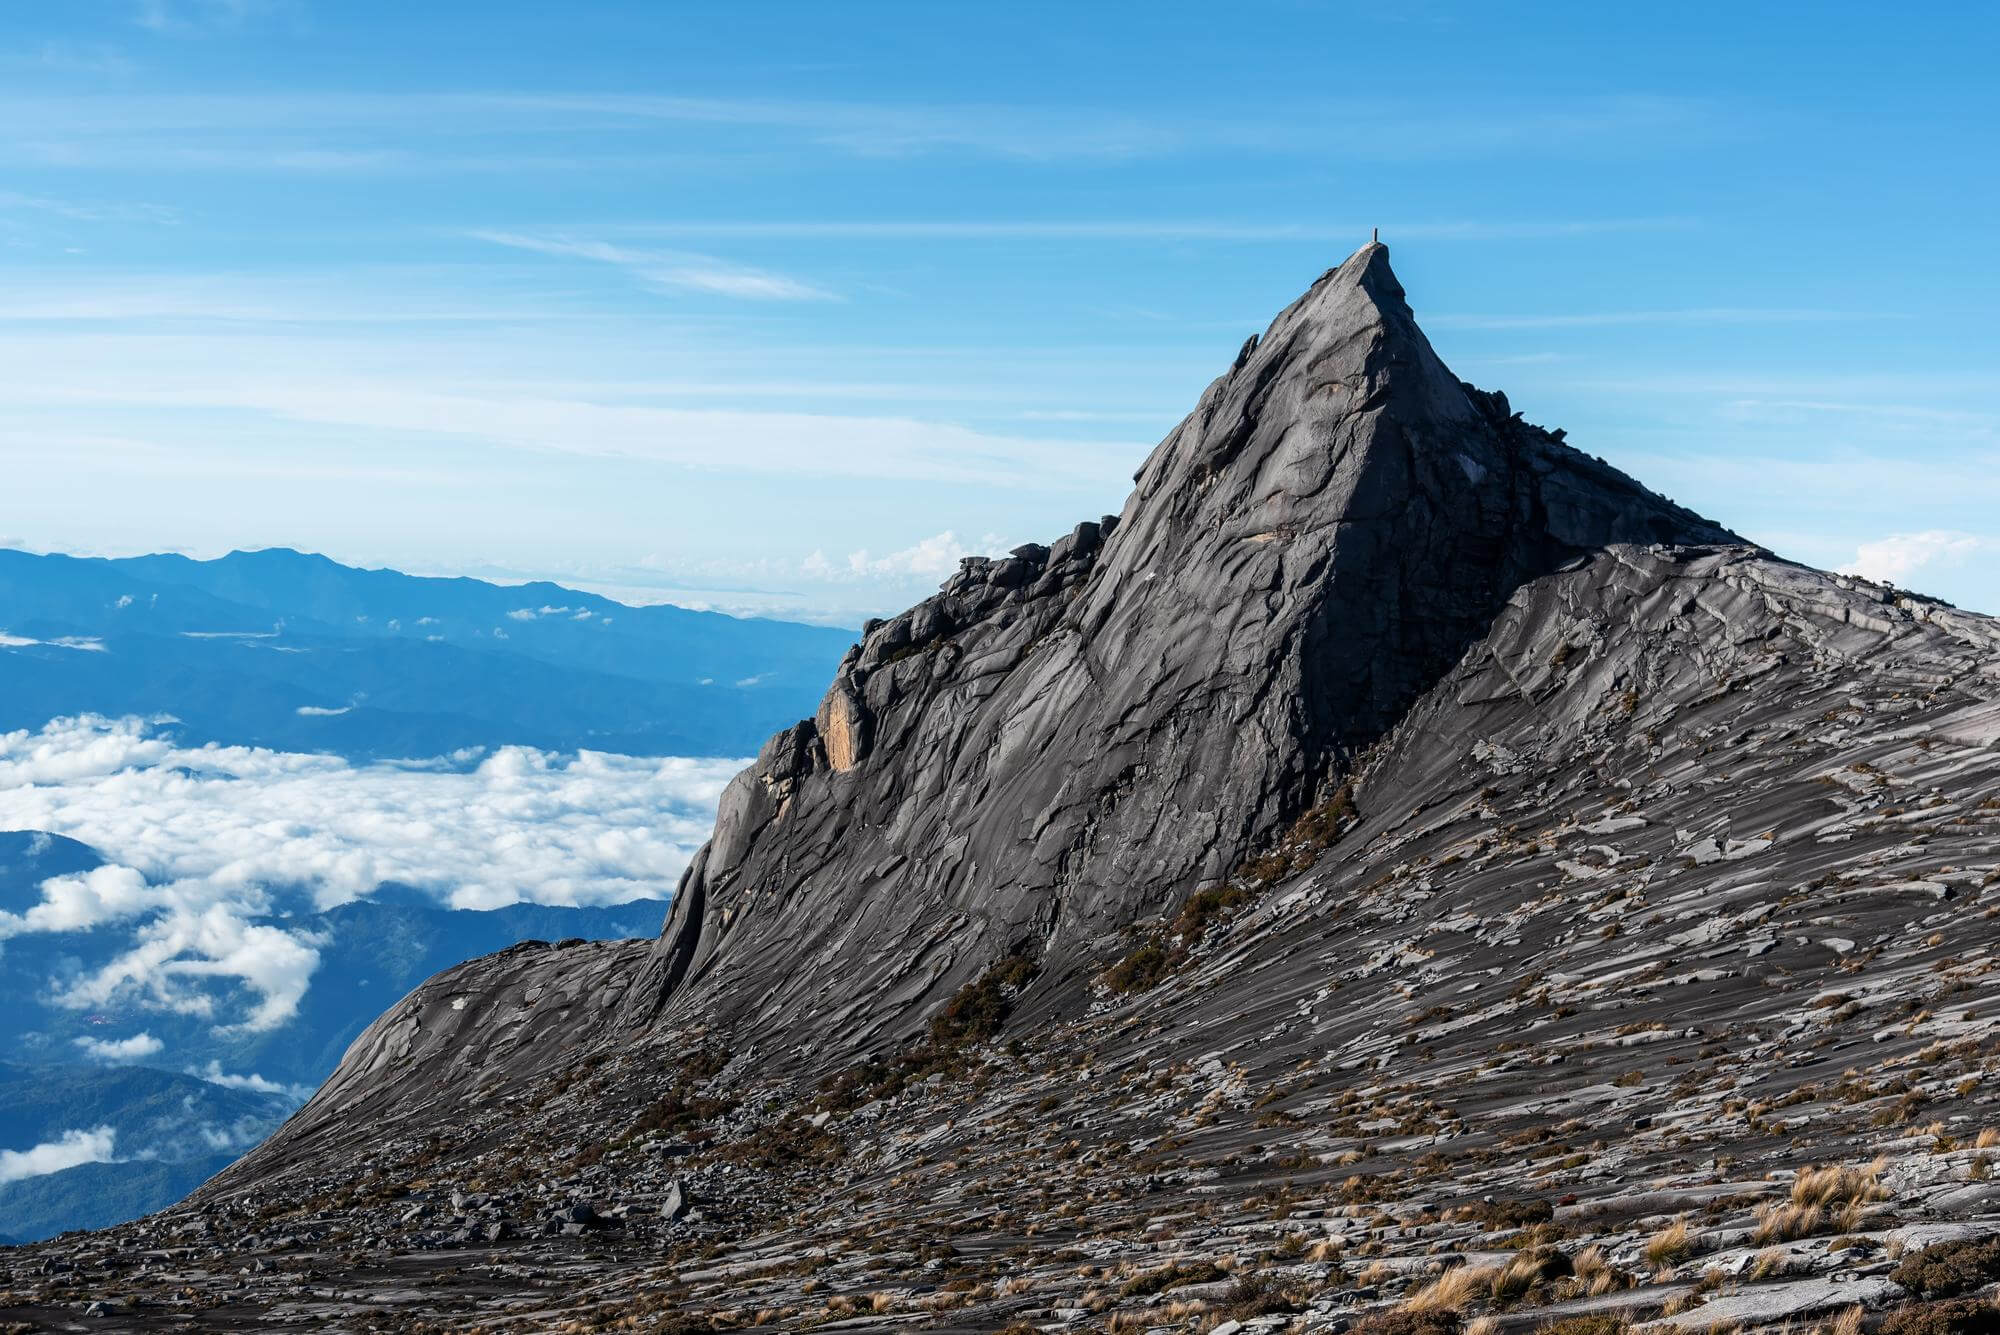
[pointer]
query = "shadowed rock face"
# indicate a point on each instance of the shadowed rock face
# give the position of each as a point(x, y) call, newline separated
point(1073, 738)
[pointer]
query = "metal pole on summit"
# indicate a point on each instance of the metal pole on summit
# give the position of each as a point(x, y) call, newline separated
point(1374, 236)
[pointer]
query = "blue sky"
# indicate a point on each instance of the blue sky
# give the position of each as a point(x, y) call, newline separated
point(782, 307)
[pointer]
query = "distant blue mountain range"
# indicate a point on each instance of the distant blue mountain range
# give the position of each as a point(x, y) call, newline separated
point(282, 649)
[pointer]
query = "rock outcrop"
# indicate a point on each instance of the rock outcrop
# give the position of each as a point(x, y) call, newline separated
point(1075, 737)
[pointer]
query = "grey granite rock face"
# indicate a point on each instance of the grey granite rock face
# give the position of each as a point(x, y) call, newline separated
point(465, 1040)
point(1074, 737)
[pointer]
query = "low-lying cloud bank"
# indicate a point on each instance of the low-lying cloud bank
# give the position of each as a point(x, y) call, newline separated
point(1895, 558)
point(121, 1049)
point(52, 1156)
point(200, 838)
point(256, 1084)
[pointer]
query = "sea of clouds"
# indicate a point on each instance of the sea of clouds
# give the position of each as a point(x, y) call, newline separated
point(199, 840)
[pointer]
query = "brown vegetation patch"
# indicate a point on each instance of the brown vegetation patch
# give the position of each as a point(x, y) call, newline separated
point(1947, 1269)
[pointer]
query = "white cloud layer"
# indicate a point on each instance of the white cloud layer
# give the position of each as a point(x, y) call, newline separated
point(80, 902)
point(437, 406)
point(182, 946)
point(932, 558)
point(1895, 558)
point(52, 1156)
point(121, 1049)
point(198, 839)
point(663, 270)
point(83, 642)
point(256, 1084)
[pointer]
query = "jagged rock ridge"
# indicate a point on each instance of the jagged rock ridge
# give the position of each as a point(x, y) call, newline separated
point(1075, 737)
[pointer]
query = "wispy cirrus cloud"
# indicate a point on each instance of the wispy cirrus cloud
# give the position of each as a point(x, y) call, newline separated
point(364, 295)
point(65, 57)
point(578, 421)
point(77, 211)
point(669, 270)
point(1367, 129)
point(1136, 229)
point(1858, 482)
point(433, 130)
point(183, 16)
point(1912, 416)
point(1694, 316)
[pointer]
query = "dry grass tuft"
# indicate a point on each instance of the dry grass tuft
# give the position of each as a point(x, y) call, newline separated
point(1401, 1321)
point(1593, 1275)
point(1598, 1323)
point(1167, 1314)
point(1828, 1199)
point(1679, 1303)
point(1501, 1285)
point(1771, 1261)
point(1528, 1272)
point(1670, 1246)
point(1453, 1289)
point(1834, 1185)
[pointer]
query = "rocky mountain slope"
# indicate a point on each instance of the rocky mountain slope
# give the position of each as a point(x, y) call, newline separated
point(1399, 874)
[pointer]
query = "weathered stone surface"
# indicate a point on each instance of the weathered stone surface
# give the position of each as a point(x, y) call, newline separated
point(472, 1035)
point(1780, 1302)
point(676, 1204)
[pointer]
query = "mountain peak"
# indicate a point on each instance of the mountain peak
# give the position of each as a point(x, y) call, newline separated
point(1363, 299)
point(1067, 740)
point(1263, 820)
point(1363, 279)
point(1347, 348)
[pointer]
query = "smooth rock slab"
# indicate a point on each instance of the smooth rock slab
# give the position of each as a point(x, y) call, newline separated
point(1781, 1302)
